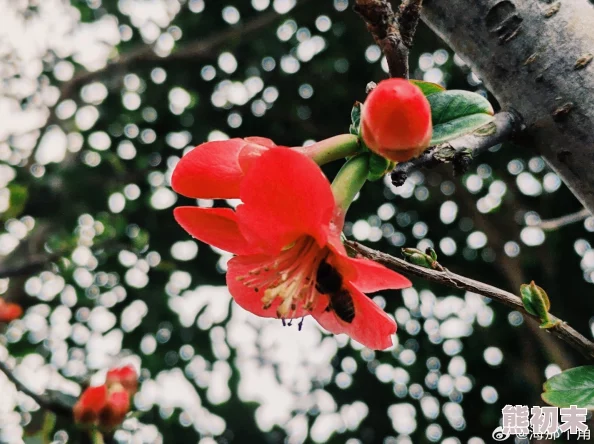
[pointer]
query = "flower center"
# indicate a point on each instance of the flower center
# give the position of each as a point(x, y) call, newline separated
point(290, 276)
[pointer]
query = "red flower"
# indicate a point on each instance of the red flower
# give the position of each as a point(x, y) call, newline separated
point(396, 120)
point(126, 376)
point(116, 409)
point(214, 170)
point(9, 311)
point(290, 261)
point(90, 404)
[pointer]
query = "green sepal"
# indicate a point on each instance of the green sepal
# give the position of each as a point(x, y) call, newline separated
point(379, 166)
point(356, 119)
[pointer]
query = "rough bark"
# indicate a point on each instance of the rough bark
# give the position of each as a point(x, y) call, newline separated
point(535, 56)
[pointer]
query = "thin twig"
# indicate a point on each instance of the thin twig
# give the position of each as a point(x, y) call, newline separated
point(408, 18)
point(461, 150)
point(57, 408)
point(563, 331)
point(30, 267)
point(383, 25)
point(559, 222)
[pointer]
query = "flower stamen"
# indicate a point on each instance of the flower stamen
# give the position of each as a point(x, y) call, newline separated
point(290, 277)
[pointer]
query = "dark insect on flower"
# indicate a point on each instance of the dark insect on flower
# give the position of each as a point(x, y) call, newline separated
point(329, 281)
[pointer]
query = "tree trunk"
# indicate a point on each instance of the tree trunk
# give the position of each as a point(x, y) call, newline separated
point(535, 56)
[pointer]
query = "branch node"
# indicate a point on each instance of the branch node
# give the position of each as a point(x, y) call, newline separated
point(384, 26)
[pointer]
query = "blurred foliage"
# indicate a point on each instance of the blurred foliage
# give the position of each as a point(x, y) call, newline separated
point(132, 285)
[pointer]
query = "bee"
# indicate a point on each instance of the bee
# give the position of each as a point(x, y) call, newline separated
point(329, 281)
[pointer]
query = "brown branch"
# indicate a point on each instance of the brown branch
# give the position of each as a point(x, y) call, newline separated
point(45, 403)
point(408, 18)
point(383, 25)
point(563, 331)
point(461, 150)
point(559, 222)
point(30, 267)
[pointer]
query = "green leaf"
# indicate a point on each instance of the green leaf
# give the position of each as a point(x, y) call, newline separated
point(572, 387)
point(455, 113)
point(18, 199)
point(428, 88)
point(40, 428)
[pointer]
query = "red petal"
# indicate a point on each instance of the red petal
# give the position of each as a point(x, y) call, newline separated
point(285, 196)
point(210, 171)
point(215, 226)
point(369, 276)
point(94, 398)
point(247, 297)
point(126, 376)
point(371, 326)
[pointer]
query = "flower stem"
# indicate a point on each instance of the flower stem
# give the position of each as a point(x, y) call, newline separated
point(349, 180)
point(96, 437)
point(334, 148)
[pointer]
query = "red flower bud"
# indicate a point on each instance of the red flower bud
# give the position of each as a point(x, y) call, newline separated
point(90, 404)
point(9, 311)
point(396, 120)
point(126, 376)
point(118, 405)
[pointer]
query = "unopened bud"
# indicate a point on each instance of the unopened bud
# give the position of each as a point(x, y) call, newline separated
point(90, 404)
point(537, 303)
point(126, 376)
point(116, 409)
point(417, 257)
point(396, 120)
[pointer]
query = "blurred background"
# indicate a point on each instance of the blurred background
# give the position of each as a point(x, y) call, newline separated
point(98, 101)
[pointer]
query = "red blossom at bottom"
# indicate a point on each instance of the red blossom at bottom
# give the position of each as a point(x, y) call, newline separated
point(90, 404)
point(9, 311)
point(107, 405)
point(126, 376)
point(116, 409)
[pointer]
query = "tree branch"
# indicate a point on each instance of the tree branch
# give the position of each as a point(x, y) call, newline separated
point(408, 18)
point(559, 222)
point(459, 151)
point(33, 266)
point(563, 331)
point(383, 25)
point(55, 407)
point(537, 62)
